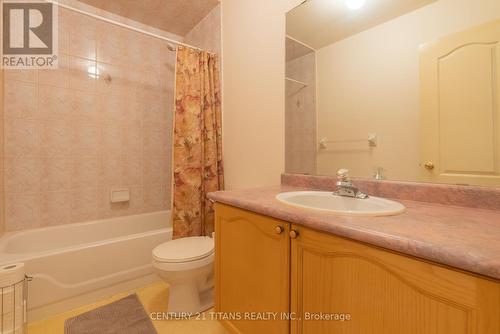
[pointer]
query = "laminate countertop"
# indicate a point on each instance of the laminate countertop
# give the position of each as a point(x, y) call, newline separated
point(460, 237)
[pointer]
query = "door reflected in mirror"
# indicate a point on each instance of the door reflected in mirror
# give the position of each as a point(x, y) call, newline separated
point(394, 89)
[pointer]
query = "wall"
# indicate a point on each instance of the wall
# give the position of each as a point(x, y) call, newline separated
point(370, 83)
point(84, 7)
point(300, 115)
point(2, 210)
point(207, 33)
point(253, 35)
point(71, 137)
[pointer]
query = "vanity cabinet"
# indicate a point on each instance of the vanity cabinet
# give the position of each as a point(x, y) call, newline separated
point(384, 292)
point(333, 285)
point(252, 271)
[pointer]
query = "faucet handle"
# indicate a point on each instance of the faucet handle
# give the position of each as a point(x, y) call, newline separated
point(343, 174)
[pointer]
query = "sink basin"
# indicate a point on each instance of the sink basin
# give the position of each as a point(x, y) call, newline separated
point(327, 201)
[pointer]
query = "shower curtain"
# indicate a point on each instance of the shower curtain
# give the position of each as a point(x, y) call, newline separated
point(197, 151)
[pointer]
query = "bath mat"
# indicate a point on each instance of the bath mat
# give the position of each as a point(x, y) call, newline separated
point(125, 316)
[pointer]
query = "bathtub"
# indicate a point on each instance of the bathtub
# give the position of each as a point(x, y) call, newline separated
point(76, 264)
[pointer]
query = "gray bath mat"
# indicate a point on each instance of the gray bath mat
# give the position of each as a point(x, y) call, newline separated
point(125, 316)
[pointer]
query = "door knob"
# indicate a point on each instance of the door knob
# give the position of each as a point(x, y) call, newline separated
point(429, 165)
point(278, 229)
point(294, 234)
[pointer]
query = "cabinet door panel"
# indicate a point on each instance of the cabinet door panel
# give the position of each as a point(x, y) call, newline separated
point(384, 292)
point(252, 269)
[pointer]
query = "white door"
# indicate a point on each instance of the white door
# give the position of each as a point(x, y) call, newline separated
point(460, 83)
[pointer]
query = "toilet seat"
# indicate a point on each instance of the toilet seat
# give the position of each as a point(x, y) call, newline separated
point(184, 254)
point(184, 266)
point(184, 250)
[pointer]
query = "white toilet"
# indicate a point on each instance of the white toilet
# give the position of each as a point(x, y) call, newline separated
point(187, 266)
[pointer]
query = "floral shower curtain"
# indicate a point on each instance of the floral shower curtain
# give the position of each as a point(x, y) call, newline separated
point(197, 152)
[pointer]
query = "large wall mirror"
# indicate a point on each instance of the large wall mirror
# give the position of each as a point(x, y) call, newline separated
point(395, 89)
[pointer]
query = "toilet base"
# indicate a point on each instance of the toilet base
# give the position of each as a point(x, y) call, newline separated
point(191, 285)
point(187, 299)
point(206, 300)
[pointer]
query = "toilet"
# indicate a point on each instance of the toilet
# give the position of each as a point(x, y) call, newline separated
point(187, 266)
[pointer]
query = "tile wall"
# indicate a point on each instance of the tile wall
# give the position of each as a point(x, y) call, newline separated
point(102, 120)
point(300, 116)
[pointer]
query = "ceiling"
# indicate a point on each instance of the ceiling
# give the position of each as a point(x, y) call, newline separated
point(319, 23)
point(175, 16)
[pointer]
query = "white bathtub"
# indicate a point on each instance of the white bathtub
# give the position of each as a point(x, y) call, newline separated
point(76, 264)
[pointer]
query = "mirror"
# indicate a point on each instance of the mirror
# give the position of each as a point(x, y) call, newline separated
point(394, 89)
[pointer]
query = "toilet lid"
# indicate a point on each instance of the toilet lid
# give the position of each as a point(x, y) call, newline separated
point(185, 249)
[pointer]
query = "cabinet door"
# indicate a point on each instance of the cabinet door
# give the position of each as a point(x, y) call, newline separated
point(384, 292)
point(252, 269)
point(460, 78)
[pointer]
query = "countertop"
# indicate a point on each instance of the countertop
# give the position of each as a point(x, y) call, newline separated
point(460, 237)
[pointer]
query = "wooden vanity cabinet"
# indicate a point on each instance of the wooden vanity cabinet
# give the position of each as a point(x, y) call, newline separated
point(384, 292)
point(252, 270)
point(374, 291)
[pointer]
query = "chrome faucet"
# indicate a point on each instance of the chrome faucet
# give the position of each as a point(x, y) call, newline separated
point(345, 186)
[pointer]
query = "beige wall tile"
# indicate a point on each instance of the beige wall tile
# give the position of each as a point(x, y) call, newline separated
point(20, 75)
point(167, 195)
point(54, 103)
point(65, 22)
point(84, 204)
point(85, 172)
point(113, 43)
point(20, 99)
point(132, 115)
point(55, 207)
point(22, 174)
point(155, 137)
point(132, 166)
point(87, 139)
point(136, 200)
point(156, 108)
point(56, 77)
point(72, 136)
point(150, 54)
point(21, 137)
point(82, 36)
point(300, 116)
point(153, 197)
point(113, 136)
point(124, 80)
point(82, 74)
point(56, 137)
point(21, 211)
point(110, 107)
point(85, 108)
point(132, 144)
point(153, 169)
point(111, 166)
point(55, 173)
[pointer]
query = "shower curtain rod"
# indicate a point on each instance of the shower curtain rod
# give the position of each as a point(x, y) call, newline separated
point(170, 40)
